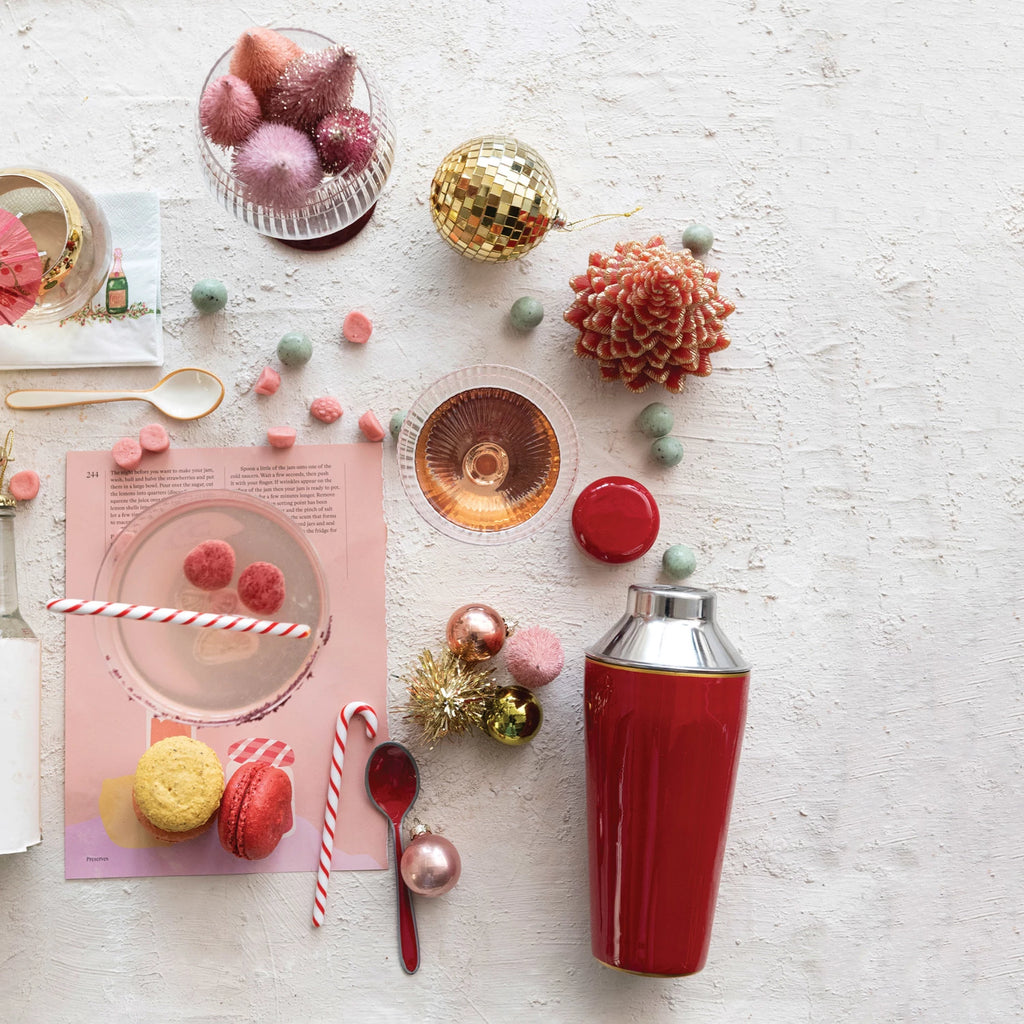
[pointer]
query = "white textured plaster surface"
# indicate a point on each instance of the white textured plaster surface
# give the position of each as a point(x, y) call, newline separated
point(853, 486)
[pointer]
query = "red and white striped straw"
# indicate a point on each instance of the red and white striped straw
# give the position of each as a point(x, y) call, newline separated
point(179, 617)
point(348, 712)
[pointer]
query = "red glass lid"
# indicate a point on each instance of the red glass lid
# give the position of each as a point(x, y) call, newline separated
point(615, 519)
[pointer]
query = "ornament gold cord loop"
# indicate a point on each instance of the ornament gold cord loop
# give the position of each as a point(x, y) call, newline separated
point(596, 219)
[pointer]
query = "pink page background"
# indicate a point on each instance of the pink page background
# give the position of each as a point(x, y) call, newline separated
point(335, 493)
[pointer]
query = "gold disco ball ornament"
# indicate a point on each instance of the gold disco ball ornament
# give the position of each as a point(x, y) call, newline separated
point(493, 199)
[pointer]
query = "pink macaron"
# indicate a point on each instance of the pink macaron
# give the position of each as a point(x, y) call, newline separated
point(255, 811)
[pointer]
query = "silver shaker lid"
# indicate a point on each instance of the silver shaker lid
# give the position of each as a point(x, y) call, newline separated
point(671, 628)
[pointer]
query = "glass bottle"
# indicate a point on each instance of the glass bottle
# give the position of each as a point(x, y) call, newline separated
point(117, 287)
point(20, 686)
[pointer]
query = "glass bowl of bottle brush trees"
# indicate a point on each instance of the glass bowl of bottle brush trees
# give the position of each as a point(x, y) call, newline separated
point(295, 138)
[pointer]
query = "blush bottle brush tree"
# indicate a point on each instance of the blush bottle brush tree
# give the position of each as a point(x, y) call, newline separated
point(313, 86)
point(229, 111)
point(345, 141)
point(277, 166)
point(260, 57)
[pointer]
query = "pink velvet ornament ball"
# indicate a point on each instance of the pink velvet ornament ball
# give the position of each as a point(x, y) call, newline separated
point(229, 111)
point(260, 57)
point(311, 87)
point(534, 656)
point(345, 141)
point(277, 166)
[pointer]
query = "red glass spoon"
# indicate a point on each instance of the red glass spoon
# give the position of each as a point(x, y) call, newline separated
point(392, 782)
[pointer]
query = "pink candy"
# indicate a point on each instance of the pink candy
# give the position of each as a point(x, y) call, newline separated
point(210, 565)
point(154, 438)
point(370, 426)
point(127, 453)
point(269, 382)
point(261, 588)
point(24, 485)
point(281, 437)
point(357, 327)
point(326, 409)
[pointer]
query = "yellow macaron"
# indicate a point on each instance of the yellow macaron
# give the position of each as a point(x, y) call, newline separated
point(178, 786)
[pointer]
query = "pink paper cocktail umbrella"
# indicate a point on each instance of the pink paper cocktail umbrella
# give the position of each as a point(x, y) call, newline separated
point(21, 269)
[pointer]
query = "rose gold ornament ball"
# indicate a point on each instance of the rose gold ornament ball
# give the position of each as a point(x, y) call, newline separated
point(430, 864)
point(475, 632)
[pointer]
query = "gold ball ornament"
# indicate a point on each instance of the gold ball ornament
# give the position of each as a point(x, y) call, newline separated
point(493, 199)
point(475, 632)
point(514, 716)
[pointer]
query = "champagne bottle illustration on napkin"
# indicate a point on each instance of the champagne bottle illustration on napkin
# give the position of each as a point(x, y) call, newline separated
point(117, 288)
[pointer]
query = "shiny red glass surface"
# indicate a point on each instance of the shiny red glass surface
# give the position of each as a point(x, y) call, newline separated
point(662, 750)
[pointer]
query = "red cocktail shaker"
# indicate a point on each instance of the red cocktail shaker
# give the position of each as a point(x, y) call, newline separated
point(666, 699)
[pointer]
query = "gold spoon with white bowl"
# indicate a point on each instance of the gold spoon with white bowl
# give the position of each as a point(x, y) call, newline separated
point(184, 394)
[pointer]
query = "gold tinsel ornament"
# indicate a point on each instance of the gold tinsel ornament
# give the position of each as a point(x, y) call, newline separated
point(446, 697)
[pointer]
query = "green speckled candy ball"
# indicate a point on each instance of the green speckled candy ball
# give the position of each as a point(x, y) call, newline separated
point(679, 561)
point(667, 451)
point(698, 238)
point(526, 313)
point(295, 349)
point(397, 419)
point(209, 295)
point(655, 420)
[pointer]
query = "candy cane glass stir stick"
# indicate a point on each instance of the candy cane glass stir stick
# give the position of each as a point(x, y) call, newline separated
point(348, 712)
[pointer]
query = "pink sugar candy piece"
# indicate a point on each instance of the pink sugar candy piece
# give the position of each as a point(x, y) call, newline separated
point(370, 426)
point(326, 409)
point(269, 382)
point(261, 588)
point(127, 453)
point(281, 437)
point(154, 438)
point(210, 565)
point(24, 486)
point(357, 327)
point(533, 656)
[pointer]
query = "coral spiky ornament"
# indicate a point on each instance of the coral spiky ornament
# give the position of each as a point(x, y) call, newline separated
point(648, 315)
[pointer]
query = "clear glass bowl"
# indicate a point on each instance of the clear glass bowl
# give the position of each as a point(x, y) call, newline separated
point(488, 454)
point(199, 675)
point(65, 220)
point(340, 205)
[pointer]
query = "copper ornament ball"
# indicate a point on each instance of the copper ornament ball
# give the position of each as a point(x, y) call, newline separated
point(475, 632)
